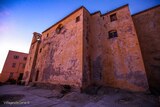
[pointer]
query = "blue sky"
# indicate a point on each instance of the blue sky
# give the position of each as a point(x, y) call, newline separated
point(20, 18)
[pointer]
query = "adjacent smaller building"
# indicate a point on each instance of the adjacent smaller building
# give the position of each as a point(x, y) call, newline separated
point(14, 66)
point(0, 76)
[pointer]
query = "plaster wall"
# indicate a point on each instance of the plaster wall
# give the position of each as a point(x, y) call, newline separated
point(59, 59)
point(147, 25)
point(116, 61)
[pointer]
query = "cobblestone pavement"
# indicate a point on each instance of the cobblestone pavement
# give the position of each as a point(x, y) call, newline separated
point(25, 96)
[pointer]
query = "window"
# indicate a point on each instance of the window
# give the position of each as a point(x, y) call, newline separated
point(112, 34)
point(59, 28)
point(47, 34)
point(11, 75)
point(77, 19)
point(37, 74)
point(20, 76)
point(23, 66)
point(40, 50)
point(25, 58)
point(16, 56)
point(14, 65)
point(113, 17)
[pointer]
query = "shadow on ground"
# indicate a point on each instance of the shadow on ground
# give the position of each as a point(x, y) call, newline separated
point(26, 96)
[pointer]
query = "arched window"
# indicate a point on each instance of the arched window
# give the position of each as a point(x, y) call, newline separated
point(112, 34)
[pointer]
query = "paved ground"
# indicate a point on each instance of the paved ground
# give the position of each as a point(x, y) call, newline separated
point(24, 96)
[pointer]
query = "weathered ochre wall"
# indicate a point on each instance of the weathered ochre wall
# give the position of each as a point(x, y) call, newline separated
point(147, 25)
point(8, 65)
point(86, 50)
point(116, 62)
point(59, 58)
point(82, 54)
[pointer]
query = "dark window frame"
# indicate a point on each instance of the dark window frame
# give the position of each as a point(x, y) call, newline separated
point(25, 58)
point(40, 50)
point(112, 34)
point(47, 34)
point(77, 19)
point(11, 75)
point(37, 75)
point(23, 66)
point(59, 28)
point(15, 56)
point(113, 17)
point(13, 65)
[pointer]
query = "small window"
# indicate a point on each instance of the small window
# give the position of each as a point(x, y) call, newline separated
point(112, 34)
point(11, 75)
point(14, 65)
point(40, 50)
point(59, 28)
point(16, 56)
point(113, 17)
point(25, 58)
point(77, 19)
point(47, 34)
point(37, 74)
point(23, 66)
point(20, 76)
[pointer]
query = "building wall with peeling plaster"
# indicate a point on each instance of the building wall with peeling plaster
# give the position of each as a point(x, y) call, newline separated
point(147, 25)
point(116, 61)
point(60, 59)
point(86, 80)
point(82, 54)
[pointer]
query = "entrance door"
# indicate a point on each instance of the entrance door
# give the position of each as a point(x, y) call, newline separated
point(37, 75)
point(20, 76)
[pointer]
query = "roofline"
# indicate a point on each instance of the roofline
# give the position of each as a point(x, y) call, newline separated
point(18, 52)
point(96, 13)
point(115, 9)
point(87, 11)
point(64, 18)
point(146, 10)
point(99, 12)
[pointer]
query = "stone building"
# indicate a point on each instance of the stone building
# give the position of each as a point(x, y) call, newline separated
point(84, 49)
point(147, 24)
point(14, 66)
